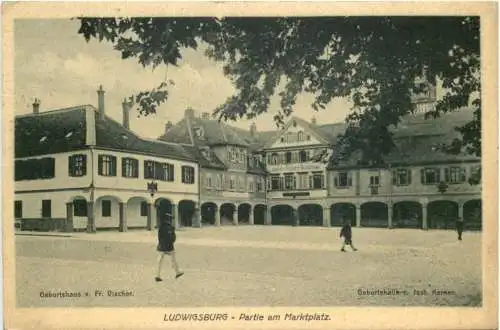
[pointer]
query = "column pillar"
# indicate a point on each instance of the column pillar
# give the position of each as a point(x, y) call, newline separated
point(217, 215)
point(175, 216)
point(235, 215)
point(91, 228)
point(269, 219)
point(251, 216)
point(326, 217)
point(295, 218)
point(196, 217)
point(358, 215)
point(389, 216)
point(151, 212)
point(461, 211)
point(424, 217)
point(68, 226)
point(123, 218)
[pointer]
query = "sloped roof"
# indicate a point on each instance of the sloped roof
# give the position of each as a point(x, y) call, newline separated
point(418, 141)
point(50, 132)
point(57, 125)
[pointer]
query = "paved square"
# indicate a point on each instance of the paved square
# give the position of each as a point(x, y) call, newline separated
point(252, 266)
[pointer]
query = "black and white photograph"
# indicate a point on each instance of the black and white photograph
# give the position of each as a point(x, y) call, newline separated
point(249, 170)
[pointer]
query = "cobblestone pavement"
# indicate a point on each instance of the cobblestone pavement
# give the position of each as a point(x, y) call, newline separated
point(253, 266)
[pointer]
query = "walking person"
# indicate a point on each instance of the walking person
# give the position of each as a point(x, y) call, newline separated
point(460, 228)
point(166, 240)
point(346, 233)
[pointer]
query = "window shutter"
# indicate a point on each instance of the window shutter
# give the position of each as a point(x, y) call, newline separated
point(336, 181)
point(113, 166)
point(171, 172)
point(463, 176)
point(71, 162)
point(349, 180)
point(422, 176)
point(322, 181)
point(446, 175)
point(282, 183)
point(124, 161)
point(394, 177)
point(294, 182)
point(84, 165)
point(99, 165)
point(438, 175)
point(183, 174)
point(409, 176)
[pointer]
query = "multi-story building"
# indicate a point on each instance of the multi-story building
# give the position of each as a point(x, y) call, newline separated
point(77, 169)
point(232, 175)
point(210, 173)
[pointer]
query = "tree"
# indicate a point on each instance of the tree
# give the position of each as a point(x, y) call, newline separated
point(372, 60)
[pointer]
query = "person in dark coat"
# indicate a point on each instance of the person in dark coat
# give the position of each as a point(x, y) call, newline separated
point(166, 240)
point(460, 228)
point(346, 233)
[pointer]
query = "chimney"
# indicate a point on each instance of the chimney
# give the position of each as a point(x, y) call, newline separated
point(100, 101)
point(313, 120)
point(126, 106)
point(36, 106)
point(253, 129)
point(205, 115)
point(168, 126)
point(189, 113)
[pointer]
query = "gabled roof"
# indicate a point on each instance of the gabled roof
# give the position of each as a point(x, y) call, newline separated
point(310, 128)
point(50, 132)
point(65, 130)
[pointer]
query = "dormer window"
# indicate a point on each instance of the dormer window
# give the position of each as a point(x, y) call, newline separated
point(68, 135)
point(124, 137)
point(198, 131)
point(43, 139)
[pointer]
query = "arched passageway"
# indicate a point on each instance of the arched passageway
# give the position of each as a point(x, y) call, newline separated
point(341, 211)
point(186, 213)
point(283, 215)
point(227, 211)
point(107, 213)
point(244, 213)
point(374, 214)
point(442, 214)
point(310, 215)
point(473, 215)
point(259, 214)
point(137, 212)
point(208, 213)
point(407, 214)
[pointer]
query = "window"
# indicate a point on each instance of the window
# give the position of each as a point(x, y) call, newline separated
point(275, 182)
point(454, 174)
point(343, 179)
point(318, 181)
point(18, 209)
point(302, 156)
point(231, 183)
point(34, 169)
point(300, 136)
point(80, 208)
point(107, 165)
point(429, 175)
point(144, 209)
point(374, 180)
point(308, 137)
point(250, 185)
point(401, 177)
point(303, 181)
point(219, 181)
point(290, 181)
point(259, 184)
point(274, 159)
point(187, 174)
point(46, 208)
point(77, 165)
point(288, 157)
point(106, 208)
point(130, 168)
point(158, 171)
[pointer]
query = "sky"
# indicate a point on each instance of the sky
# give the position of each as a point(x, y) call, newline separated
point(55, 64)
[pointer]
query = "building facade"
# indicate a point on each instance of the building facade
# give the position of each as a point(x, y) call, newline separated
point(94, 173)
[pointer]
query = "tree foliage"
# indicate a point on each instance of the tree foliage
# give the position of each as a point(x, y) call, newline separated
point(374, 61)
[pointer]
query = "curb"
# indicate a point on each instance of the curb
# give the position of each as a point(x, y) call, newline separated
point(42, 234)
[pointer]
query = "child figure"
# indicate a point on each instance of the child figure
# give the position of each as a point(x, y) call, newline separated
point(346, 233)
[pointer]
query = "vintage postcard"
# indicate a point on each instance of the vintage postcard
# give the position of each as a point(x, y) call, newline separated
point(250, 165)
